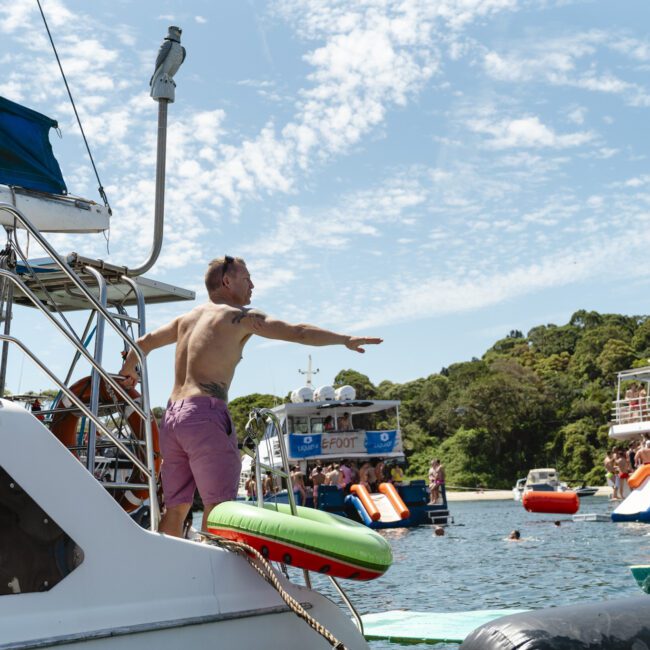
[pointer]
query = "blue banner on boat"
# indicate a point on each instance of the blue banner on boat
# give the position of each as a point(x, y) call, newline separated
point(303, 446)
point(380, 442)
point(373, 443)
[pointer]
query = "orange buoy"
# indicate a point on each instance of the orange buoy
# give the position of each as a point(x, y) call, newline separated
point(395, 499)
point(639, 475)
point(366, 500)
point(561, 503)
point(65, 423)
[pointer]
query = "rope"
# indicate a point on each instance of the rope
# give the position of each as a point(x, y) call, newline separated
point(100, 189)
point(265, 569)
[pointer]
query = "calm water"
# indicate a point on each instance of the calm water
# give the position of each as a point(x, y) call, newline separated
point(474, 567)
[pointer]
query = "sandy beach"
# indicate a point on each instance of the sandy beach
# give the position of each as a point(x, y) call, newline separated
point(497, 495)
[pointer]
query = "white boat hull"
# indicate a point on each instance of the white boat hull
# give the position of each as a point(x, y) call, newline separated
point(53, 213)
point(132, 588)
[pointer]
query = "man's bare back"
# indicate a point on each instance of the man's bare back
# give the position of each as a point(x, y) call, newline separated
point(209, 346)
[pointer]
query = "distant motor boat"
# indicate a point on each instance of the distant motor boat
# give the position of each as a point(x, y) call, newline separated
point(518, 490)
point(585, 491)
point(544, 479)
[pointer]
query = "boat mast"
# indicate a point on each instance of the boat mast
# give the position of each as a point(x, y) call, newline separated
point(163, 86)
point(309, 372)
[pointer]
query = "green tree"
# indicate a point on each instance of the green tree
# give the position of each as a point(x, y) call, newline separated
point(363, 386)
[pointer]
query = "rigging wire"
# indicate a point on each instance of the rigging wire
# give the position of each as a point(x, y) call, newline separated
point(100, 189)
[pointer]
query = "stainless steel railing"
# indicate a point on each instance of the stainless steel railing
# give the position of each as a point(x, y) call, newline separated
point(104, 315)
point(256, 429)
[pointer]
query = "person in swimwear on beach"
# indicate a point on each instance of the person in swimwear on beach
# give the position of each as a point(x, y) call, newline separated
point(197, 437)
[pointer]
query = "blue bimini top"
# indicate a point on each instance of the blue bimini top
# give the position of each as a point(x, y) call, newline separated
point(26, 157)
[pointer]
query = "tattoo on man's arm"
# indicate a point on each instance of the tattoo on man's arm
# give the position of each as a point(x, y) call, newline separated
point(216, 389)
point(247, 313)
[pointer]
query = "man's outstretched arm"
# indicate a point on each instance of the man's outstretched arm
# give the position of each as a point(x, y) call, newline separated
point(165, 335)
point(256, 322)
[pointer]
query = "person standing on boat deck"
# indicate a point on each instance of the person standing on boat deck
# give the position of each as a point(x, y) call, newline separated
point(198, 442)
point(433, 486)
point(624, 471)
point(642, 456)
point(610, 473)
point(317, 479)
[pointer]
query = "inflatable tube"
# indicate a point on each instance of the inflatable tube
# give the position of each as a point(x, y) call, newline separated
point(364, 496)
point(314, 540)
point(639, 475)
point(621, 624)
point(560, 503)
point(395, 499)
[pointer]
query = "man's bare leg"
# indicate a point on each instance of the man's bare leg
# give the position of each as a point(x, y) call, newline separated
point(171, 522)
point(207, 509)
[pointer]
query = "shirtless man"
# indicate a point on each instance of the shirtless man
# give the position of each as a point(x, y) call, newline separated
point(624, 467)
point(642, 456)
point(610, 473)
point(198, 443)
point(317, 479)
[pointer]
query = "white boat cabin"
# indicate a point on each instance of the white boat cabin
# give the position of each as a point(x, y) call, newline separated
point(631, 409)
point(334, 429)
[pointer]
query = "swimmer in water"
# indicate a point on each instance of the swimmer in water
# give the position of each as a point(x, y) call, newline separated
point(514, 536)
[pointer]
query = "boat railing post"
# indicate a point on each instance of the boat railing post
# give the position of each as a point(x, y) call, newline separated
point(77, 402)
point(94, 375)
point(74, 340)
point(146, 407)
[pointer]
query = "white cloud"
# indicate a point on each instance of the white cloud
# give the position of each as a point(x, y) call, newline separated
point(526, 132)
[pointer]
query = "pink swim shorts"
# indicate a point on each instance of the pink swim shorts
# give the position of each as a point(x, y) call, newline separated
point(199, 450)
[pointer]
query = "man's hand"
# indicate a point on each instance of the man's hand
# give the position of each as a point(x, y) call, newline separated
point(355, 343)
point(130, 376)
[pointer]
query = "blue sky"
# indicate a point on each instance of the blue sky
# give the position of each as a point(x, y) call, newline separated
point(434, 172)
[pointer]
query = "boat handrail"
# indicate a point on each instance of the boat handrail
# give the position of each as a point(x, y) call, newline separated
point(259, 417)
point(78, 402)
point(630, 409)
point(103, 314)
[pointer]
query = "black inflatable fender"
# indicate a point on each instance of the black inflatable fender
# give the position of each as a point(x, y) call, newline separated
point(622, 624)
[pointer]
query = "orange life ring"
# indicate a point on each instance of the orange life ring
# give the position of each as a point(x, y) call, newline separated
point(64, 426)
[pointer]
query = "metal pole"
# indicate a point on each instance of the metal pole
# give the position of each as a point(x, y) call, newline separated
point(154, 506)
point(8, 299)
point(159, 206)
point(94, 375)
point(73, 339)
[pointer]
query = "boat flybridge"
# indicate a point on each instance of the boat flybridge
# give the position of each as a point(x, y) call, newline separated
point(81, 562)
point(630, 415)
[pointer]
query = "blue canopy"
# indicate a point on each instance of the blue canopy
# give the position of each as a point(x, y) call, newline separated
point(26, 157)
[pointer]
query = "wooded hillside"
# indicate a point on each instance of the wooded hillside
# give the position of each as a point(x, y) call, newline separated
point(537, 400)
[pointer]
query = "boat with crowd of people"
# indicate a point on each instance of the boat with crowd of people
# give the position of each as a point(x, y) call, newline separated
point(348, 458)
point(82, 564)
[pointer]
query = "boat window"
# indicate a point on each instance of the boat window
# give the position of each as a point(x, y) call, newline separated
point(298, 424)
point(317, 425)
point(36, 554)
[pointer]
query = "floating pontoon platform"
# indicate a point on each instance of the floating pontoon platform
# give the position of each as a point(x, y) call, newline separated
point(591, 516)
point(401, 626)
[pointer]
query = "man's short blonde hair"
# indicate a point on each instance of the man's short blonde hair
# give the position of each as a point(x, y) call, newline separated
point(214, 274)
